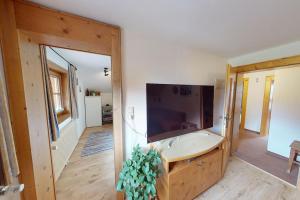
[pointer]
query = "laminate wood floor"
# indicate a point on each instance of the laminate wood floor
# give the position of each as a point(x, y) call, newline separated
point(243, 181)
point(90, 177)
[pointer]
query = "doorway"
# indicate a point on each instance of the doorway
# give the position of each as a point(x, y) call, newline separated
point(82, 150)
point(253, 119)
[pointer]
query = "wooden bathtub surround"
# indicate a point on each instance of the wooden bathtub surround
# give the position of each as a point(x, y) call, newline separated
point(191, 164)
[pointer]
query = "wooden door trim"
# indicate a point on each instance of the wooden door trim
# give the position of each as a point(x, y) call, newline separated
point(229, 92)
point(266, 102)
point(270, 64)
point(62, 30)
point(244, 103)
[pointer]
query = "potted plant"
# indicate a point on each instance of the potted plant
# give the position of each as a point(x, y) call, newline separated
point(138, 175)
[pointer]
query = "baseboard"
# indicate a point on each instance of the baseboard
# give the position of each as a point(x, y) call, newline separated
point(277, 155)
point(251, 131)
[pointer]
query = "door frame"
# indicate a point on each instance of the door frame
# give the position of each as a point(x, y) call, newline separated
point(244, 102)
point(286, 62)
point(266, 114)
point(63, 30)
point(230, 91)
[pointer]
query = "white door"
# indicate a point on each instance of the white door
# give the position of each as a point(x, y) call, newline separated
point(93, 111)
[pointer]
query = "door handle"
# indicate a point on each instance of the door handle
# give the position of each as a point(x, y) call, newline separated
point(11, 188)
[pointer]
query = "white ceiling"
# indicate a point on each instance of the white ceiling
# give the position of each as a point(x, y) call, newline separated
point(90, 68)
point(83, 60)
point(227, 28)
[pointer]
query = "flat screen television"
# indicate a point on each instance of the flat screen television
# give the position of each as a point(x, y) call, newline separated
point(174, 110)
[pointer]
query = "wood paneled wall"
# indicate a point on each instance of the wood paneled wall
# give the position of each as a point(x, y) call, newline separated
point(63, 29)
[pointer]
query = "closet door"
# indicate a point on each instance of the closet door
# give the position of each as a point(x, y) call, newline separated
point(93, 111)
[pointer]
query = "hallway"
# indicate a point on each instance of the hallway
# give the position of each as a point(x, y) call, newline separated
point(90, 177)
point(253, 149)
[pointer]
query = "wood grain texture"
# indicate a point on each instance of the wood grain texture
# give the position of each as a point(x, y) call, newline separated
point(266, 112)
point(16, 96)
point(37, 118)
point(243, 181)
point(73, 32)
point(237, 113)
point(230, 91)
point(91, 177)
point(191, 176)
point(117, 104)
point(195, 177)
point(32, 17)
point(244, 102)
point(268, 64)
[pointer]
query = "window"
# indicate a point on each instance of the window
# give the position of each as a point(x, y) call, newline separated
point(57, 93)
point(60, 89)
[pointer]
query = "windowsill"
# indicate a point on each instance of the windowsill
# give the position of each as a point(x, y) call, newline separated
point(60, 111)
point(63, 120)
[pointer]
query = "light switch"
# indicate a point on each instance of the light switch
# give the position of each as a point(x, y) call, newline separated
point(131, 112)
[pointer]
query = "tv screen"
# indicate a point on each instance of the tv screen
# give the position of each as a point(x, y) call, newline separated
point(174, 110)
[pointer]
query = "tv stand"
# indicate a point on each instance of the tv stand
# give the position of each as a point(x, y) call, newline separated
point(190, 165)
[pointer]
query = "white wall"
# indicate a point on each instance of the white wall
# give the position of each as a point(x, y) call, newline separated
point(256, 87)
point(94, 79)
point(147, 60)
point(285, 117)
point(106, 98)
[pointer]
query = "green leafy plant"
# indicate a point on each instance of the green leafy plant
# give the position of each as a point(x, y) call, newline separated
point(138, 175)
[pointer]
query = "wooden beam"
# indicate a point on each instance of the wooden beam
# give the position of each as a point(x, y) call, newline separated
point(293, 60)
point(16, 95)
point(117, 104)
point(59, 27)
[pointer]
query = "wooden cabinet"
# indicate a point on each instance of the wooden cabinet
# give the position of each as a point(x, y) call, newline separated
point(93, 111)
point(186, 179)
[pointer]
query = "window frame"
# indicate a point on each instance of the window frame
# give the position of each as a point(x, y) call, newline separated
point(58, 76)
